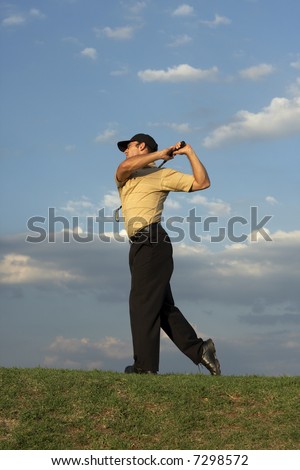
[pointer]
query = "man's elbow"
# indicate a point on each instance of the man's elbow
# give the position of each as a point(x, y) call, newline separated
point(200, 186)
point(206, 183)
point(123, 171)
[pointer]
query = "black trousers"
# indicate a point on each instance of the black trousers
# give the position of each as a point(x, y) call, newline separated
point(151, 301)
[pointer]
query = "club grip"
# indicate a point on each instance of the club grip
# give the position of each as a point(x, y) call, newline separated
point(182, 144)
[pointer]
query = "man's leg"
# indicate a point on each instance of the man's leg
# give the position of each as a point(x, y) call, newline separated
point(151, 268)
point(179, 330)
point(184, 336)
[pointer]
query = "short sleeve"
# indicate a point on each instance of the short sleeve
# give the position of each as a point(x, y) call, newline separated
point(173, 180)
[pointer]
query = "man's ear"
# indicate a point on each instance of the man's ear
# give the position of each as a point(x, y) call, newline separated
point(142, 146)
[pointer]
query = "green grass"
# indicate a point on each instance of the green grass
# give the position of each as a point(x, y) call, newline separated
point(65, 409)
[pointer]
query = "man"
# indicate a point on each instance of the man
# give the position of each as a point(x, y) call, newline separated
point(143, 188)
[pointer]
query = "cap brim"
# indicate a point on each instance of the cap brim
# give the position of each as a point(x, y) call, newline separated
point(123, 145)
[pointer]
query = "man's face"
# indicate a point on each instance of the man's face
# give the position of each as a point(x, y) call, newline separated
point(132, 149)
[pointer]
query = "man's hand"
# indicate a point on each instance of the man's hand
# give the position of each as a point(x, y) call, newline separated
point(167, 153)
point(181, 148)
point(170, 152)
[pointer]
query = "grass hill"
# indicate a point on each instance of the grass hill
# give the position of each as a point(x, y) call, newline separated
point(67, 409)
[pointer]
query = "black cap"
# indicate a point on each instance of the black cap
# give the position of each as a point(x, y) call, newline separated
point(147, 139)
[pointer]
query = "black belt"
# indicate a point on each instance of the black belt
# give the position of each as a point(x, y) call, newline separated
point(137, 237)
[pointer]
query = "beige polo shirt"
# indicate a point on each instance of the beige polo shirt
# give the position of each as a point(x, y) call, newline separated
point(144, 193)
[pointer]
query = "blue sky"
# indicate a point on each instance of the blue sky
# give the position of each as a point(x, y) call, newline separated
point(76, 77)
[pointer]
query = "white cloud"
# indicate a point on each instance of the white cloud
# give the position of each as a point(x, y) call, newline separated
point(295, 64)
point(264, 270)
point(84, 353)
point(260, 260)
point(109, 346)
point(89, 52)
point(21, 18)
point(114, 347)
point(124, 32)
point(179, 73)
point(137, 8)
point(271, 200)
point(14, 20)
point(120, 72)
point(217, 21)
point(181, 40)
point(111, 200)
point(183, 10)
point(35, 13)
point(280, 119)
point(214, 207)
point(172, 204)
point(106, 136)
point(257, 71)
point(72, 40)
point(17, 268)
point(294, 88)
point(181, 128)
point(68, 344)
point(256, 284)
point(81, 208)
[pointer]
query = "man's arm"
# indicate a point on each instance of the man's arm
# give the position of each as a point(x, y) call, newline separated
point(128, 166)
point(202, 180)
